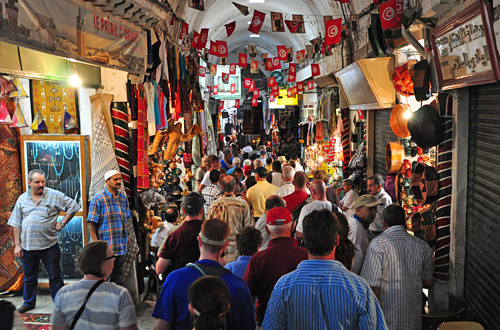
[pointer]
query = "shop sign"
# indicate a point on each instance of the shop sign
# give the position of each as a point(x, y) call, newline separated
point(62, 28)
point(464, 49)
point(329, 150)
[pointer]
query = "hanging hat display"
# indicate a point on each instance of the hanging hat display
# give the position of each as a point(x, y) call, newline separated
point(69, 123)
point(394, 154)
point(420, 75)
point(425, 127)
point(4, 114)
point(20, 92)
point(399, 123)
point(6, 86)
point(401, 79)
point(38, 125)
point(18, 119)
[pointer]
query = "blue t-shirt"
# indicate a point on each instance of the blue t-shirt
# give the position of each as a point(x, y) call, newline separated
point(239, 266)
point(172, 303)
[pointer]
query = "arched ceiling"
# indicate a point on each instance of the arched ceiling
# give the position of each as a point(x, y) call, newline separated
point(220, 12)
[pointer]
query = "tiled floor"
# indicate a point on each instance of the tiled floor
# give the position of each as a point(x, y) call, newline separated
point(44, 305)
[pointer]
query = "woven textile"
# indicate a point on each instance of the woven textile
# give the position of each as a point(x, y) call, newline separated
point(103, 154)
point(443, 210)
point(346, 137)
point(122, 141)
point(142, 154)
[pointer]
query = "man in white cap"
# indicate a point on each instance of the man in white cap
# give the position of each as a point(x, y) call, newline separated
point(107, 219)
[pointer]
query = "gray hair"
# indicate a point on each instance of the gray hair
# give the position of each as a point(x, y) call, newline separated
point(349, 182)
point(288, 172)
point(35, 171)
point(236, 161)
point(247, 162)
point(377, 179)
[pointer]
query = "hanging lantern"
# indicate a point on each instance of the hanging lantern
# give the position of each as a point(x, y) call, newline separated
point(69, 124)
point(18, 119)
point(4, 114)
point(399, 121)
point(38, 125)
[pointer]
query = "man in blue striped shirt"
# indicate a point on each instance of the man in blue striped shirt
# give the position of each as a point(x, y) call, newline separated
point(397, 266)
point(107, 219)
point(34, 219)
point(322, 293)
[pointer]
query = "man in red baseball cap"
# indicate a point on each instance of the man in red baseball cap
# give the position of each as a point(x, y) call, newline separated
point(281, 257)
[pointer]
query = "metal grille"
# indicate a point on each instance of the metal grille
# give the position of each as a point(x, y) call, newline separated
point(482, 263)
point(383, 135)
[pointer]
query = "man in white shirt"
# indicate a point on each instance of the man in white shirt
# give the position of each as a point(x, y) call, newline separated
point(350, 196)
point(277, 179)
point(318, 194)
point(213, 164)
point(287, 187)
point(374, 185)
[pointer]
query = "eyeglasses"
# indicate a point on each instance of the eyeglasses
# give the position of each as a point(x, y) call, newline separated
point(112, 257)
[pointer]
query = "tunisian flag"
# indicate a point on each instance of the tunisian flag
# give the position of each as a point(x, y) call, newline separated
point(282, 52)
point(333, 30)
point(269, 64)
point(230, 28)
point(257, 21)
point(315, 69)
point(242, 60)
point(196, 40)
point(390, 16)
point(203, 38)
point(232, 68)
point(222, 48)
point(214, 50)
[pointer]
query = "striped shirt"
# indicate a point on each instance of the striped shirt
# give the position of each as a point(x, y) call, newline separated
point(37, 221)
point(210, 193)
point(397, 263)
point(109, 307)
point(111, 215)
point(323, 294)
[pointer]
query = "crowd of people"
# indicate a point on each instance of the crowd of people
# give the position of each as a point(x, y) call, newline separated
point(254, 246)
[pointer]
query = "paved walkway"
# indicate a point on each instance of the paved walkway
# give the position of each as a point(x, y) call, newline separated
point(44, 305)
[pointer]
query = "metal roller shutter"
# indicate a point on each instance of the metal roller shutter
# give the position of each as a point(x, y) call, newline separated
point(383, 135)
point(482, 261)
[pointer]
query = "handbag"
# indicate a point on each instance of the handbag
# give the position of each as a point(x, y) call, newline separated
point(80, 311)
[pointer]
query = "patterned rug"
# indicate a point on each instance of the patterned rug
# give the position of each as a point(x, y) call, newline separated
point(36, 320)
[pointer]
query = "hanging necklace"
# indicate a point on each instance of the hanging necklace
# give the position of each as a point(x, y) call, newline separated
point(73, 232)
point(61, 169)
point(46, 173)
point(64, 152)
point(44, 145)
point(34, 151)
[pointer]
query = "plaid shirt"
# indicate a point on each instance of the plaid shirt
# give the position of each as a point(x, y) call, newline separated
point(210, 194)
point(110, 214)
point(37, 221)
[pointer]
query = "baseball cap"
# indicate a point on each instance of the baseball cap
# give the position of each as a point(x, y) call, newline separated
point(109, 174)
point(261, 172)
point(263, 152)
point(366, 200)
point(278, 216)
point(193, 201)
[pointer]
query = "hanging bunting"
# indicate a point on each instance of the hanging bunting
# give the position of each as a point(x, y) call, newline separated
point(252, 51)
point(221, 105)
point(243, 9)
point(254, 102)
point(203, 38)
point(198, 5)
point(213, 70)
point(292, 70)
point(389, 16)
point(230, 27)
point(275, 88)
point(237, 103)
point(257, 21)
point(222, 48)
point(300, 86)
point(333, 30)
point(272, 97)
point(256, 93)
point(277, 22)
point(242, 60)
point(276, 63)
point(293, 26)
point(271, 81)
point(252, 86)
point(300, 19)
point(202, 71)
point(4, 114)
point(216, 90)
point(295, 91)
point(196, 40)
point(289, 92)
point(301, 54)
point(309, 51)
point(225, 78)
point(315, 70)
point(289, 55)
point(254, 67)
point(232, 68)
point(214, 50)
point(269, 64)
point(281, 52)
point(233, 89)
point(184, 30)
point(310, 85)
point(247, 83)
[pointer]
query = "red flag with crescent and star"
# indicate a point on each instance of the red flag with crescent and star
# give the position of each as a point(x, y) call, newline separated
point(281, 52)
point(315, 70)
point(257, 21)
point(196, 40)
point(214, 50)
point(390, 14)
point(222, 48)
point(232, 68)
point(230, 28)
point(242, 60)
point(202, 71)
point(203, 38)
point(269, 64)
point(333, 30)
point(276, 63)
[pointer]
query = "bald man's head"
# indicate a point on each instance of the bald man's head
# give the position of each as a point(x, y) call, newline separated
point(228, 184)
point(318, 189)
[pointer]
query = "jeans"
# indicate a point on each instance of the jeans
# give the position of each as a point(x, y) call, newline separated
point(31, 260)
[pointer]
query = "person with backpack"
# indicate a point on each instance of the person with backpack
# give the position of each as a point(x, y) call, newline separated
point(171, 309)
